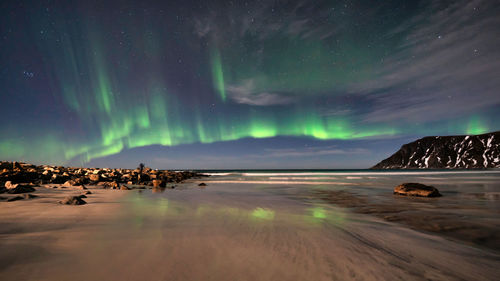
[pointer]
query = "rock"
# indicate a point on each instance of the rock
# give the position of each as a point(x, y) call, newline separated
point(159, 183)
point(29, 196)
point(3, 198)
point(82, 196)
point(10, 185)
point(15, 198)
point(124, 187)
point(202, 184)
point(58, 179)
point(143, 177)
point(87, 192)
point(72, 200)
point(416, 189)
point(113, 185)
point(82, 187)
point(95, 177)
point(3, 189)
point(68, 183)
point(21, 189)
point(75, 182)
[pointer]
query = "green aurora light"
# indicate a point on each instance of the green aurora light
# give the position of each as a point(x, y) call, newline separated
point(117, 83)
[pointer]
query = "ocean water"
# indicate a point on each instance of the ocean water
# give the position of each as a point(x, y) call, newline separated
point(482, 186)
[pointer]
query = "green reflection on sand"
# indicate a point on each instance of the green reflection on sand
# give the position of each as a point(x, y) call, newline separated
point(262, 213)
point(319, 213)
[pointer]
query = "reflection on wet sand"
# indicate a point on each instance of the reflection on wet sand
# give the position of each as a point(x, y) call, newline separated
point(232, 232)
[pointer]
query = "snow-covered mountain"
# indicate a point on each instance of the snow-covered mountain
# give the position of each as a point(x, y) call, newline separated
point(448, 152)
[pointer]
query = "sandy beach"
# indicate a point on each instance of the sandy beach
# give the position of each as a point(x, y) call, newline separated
point(221, 232)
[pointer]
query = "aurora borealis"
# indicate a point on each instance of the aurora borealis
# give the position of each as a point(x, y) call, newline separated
point(84, 81)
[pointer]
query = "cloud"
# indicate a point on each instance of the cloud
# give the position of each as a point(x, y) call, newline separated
point(312, 152)
point(446, 66)
point(245, 93)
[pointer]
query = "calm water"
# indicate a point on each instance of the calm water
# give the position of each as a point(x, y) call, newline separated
point(467, 187)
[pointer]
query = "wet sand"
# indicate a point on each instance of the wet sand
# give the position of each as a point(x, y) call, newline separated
point(468, 223)
point(221, 232)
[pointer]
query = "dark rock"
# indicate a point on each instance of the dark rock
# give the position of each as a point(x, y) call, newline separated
point(58, 179)
point(3, 198)
point(21, 189)
point(159, 183)
point(416, 189)
point(458, 152)
point(202, 184)
point(82, 196)
point(87, 192)
point(72, 200)
point(15, 198)
point(124, 187)
point(143, 177)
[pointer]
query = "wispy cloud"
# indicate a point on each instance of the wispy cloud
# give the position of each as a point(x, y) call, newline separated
point(448, 65)
point(246, 93)
point(312, 152)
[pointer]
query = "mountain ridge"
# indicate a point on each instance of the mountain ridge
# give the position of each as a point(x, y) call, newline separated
point(447, 152)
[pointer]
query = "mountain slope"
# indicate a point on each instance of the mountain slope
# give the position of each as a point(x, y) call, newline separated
point(448, 152)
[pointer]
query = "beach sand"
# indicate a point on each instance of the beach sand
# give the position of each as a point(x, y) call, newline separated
point(220, 233)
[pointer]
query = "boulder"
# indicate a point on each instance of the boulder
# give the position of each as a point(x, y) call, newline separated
point(143, 177)
point(72, 200)
point(95, 177)
point(113, 185)
point(59, 179)
point(159, 183)
point(10, 185)
point(68, 183)
point(202, 184)
point(87, 192)
point(21, 189)
point(416, 189)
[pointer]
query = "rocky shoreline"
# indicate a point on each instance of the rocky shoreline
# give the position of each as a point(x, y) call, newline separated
point(17, 178)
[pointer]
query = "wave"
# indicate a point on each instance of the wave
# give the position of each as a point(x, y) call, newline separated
point(218, 174)
point(284, 182)
point(270, 174)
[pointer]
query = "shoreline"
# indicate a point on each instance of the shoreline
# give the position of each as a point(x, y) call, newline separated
point(227, 231)
point(421, 214)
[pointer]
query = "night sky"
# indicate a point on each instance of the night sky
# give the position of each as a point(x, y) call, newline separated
point(242, 84)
